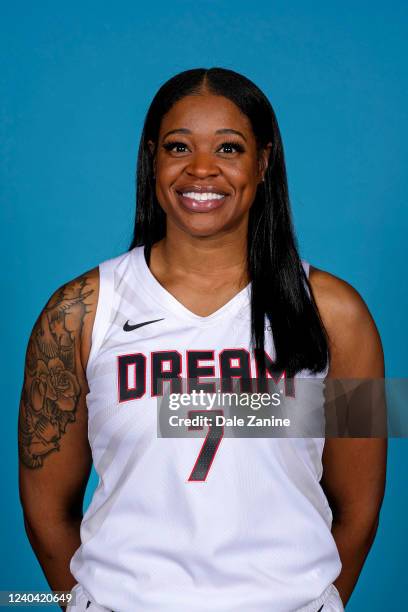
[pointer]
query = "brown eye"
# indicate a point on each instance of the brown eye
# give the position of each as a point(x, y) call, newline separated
point(175, 147)
point(232, 147)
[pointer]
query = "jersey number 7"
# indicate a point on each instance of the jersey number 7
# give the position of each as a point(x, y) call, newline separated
point(210, 445)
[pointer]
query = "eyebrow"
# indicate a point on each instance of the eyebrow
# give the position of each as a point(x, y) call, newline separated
point(187, 131)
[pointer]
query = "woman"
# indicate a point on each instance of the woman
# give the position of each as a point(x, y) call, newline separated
point(211, 276)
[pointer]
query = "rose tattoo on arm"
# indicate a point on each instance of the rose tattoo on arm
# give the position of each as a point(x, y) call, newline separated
point(51, 387)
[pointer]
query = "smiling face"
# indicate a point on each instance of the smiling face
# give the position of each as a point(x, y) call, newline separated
point(207, 165)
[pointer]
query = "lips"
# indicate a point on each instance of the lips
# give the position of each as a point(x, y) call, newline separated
point(202, 198)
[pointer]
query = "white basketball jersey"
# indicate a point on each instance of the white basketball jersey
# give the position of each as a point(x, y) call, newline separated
point(254, 535)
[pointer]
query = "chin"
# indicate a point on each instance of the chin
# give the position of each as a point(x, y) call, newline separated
point(202, 231)
point(204, 225)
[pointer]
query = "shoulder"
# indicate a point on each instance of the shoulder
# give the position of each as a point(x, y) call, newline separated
point(90, 294)
point(336, 298)
point(355, 344)
point(73, 306)
point(70, 313)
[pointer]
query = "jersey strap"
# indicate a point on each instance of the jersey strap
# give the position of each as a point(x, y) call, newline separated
point(103, 308)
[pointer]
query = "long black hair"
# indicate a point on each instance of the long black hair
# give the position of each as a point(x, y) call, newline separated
point(280, 289)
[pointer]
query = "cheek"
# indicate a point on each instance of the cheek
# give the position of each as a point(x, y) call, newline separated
point(245, 180)
point(162, 196)
point(166, 175)
point(168, 169)
point(244, 169)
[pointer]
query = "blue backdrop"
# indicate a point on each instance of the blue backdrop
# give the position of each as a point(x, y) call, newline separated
point(76, 81)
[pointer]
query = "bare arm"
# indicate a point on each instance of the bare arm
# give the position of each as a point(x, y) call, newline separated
point(354, 469)
point(54, 455)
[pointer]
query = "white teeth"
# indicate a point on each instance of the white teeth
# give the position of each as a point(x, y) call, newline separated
point(194, 195)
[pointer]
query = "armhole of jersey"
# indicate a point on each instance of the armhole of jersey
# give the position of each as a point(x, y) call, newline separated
point(103, 311)
point(306, 267)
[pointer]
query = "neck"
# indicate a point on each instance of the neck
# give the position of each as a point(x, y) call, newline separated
point(209, 259)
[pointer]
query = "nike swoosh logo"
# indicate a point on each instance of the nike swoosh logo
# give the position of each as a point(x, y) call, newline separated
point(127, 327)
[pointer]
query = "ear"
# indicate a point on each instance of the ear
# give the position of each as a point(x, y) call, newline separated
point(264, 161)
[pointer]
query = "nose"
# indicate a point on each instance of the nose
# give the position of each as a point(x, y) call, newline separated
point(202, 164)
